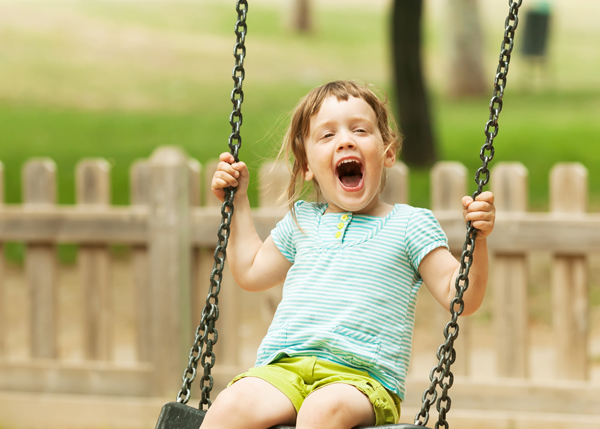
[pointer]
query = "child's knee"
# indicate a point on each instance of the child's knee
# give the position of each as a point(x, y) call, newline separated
point(226, 410)
point(228, 400)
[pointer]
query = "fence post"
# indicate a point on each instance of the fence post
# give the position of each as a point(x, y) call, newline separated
point(39, 192)
point(509, 287)
point(195, 170)
point(570, 298)
point(140, 196)
point(169, 257)
point(93, 191)
point(396, 184)
point(448, 186)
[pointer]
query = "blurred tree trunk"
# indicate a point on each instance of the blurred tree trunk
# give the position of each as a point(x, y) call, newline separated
point(411, 99)
point(466, 76)
point(301, 16)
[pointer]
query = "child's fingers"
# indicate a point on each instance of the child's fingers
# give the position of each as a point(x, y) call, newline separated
point(483, 221)
point(227, 157)
point(480, 212)
point(227, 168)
point(486, 196)
point(222, 179)
point(229, 174)
point(479, 206)
point(480, 215)
point(241, 168)
point(466, 201)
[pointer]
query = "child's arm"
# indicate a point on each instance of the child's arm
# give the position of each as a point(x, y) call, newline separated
point(439, 268)
point(255, 265)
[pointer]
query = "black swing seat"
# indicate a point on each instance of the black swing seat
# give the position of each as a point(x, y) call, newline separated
point(175, 415)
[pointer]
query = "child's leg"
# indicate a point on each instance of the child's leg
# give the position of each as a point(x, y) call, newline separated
point(250, 403)
point(335, 406)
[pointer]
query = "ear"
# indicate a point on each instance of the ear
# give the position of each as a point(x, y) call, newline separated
point(308, 174)
point(389, 158)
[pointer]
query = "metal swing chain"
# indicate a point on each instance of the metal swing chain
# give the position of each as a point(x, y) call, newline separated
point(206, 333)
point(441, 375)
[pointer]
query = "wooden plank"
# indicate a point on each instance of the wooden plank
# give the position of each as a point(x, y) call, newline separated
point(517, 233)
point(509, 280)
point(514, 233)
point(516, 395)
point(67, 411)
point(570, 285)
point(503, 419)
point(195, 172)
point(510, 315)
point(89, 378)
point(448, 186)
point(169, 253)
point(396, 184)
point(570, 316)
point(70, 224)
point(39, 191)
point(139, 175)
point(93, 191)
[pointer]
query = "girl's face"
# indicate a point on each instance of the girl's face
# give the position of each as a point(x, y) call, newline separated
point(346, 155)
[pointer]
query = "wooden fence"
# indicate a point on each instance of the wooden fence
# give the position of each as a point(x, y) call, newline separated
point(172, 235)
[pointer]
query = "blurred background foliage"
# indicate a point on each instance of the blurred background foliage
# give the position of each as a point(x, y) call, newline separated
point(116, 79)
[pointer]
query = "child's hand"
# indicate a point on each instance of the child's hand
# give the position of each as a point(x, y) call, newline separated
point(480, 212)
point(230, 173)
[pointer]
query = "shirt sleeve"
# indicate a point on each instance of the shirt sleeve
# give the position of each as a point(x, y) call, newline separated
point(423, 234)
point(283, 236)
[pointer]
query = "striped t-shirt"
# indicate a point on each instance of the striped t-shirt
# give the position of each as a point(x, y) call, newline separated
point(351, 293)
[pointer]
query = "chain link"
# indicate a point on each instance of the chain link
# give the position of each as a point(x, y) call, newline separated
point(206, 333)
point(441, 375)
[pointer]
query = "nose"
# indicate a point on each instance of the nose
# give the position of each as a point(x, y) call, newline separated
point(345, 142)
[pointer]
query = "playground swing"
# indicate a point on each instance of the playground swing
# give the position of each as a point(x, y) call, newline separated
point(178, 415)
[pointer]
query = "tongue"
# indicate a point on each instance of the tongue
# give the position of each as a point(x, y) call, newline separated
point(351, 180)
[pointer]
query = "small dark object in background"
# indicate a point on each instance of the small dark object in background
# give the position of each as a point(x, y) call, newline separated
point(535, 33)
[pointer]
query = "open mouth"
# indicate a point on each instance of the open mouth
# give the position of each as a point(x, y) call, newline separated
point(350, 173)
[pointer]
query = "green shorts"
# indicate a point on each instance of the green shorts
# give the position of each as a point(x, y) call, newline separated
point(297, 377)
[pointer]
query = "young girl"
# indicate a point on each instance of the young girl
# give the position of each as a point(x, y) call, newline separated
point(337, 352)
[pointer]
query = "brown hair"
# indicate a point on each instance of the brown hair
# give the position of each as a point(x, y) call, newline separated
point(293, 147)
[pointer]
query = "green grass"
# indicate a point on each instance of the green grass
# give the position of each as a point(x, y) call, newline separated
point(538, 130)
point(69, 135)
point(118, 79)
